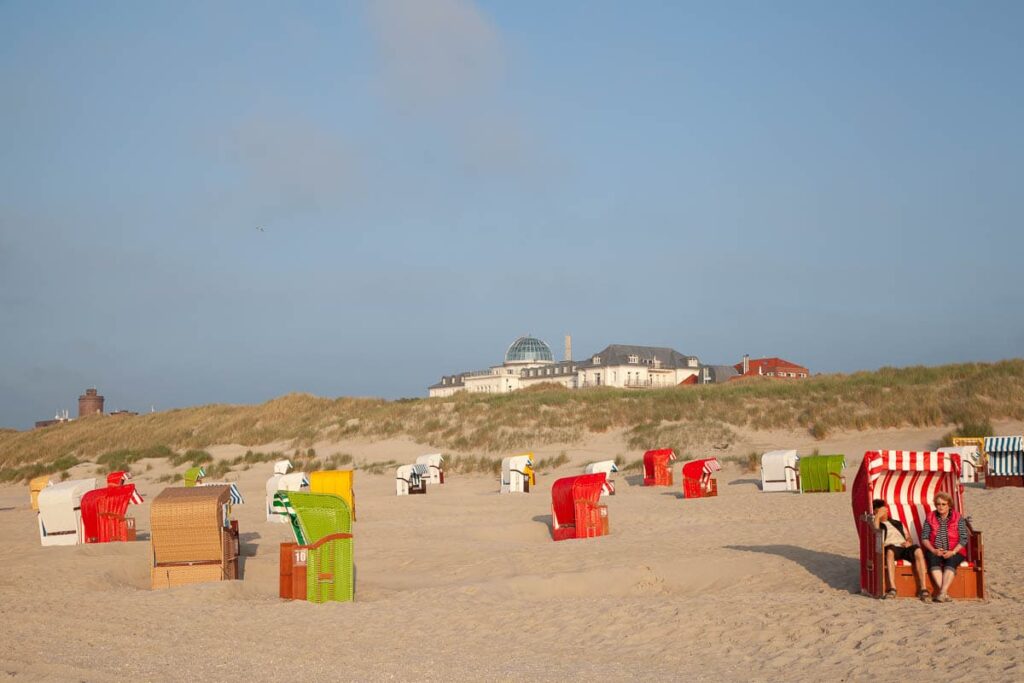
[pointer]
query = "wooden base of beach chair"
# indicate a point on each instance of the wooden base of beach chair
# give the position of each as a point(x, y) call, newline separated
point(996, 481)
point(292, 580)
point(130, 533)
point(170, 576)
point(969, 584)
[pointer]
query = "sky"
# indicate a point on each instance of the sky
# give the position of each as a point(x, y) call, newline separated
point(838, 184)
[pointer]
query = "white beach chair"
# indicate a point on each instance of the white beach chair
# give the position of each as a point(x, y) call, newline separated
point(434, 462)
point(60, 512)
point(970, 461)
point(409, 479)
point(282, 466)
point(293, 481)
point(606, 467)
point(517, 474)
point(779, 471)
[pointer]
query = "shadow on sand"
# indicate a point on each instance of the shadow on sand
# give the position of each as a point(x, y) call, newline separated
point(737, 482)
point(247, 548)
point(634, 479)
point(839, 572)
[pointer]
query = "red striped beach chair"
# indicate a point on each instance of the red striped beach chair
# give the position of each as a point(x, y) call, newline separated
point(657, 467)
point(698, 478)
point(908, 481)
point(575, 512)
point(119, 478)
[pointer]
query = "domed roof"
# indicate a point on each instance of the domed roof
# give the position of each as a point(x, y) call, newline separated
point(529, 350)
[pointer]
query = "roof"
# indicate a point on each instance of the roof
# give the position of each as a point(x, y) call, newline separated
point(718, 373)
point(619, 354)
point(769, 364)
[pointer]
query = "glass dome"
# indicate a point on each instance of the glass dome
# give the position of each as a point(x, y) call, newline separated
point(529, 350)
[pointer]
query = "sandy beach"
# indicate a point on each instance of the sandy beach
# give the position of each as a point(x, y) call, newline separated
point(466, 584)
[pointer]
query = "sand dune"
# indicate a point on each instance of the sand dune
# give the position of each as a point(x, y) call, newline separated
point(463, 583)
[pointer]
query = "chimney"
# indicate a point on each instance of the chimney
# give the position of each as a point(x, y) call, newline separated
point(746, 363)
point(568, 347)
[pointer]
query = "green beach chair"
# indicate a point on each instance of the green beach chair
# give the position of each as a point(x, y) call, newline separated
point(822, 473)
point(193, 475)
point(322, 524)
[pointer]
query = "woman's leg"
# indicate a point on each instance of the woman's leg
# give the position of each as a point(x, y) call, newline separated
point(947, 579)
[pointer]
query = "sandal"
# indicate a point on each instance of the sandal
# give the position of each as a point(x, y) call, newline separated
point(943, 598)
point(889, 594)
point(924, 595)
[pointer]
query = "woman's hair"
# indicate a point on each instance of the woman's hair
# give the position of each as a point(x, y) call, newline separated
point(942, 495)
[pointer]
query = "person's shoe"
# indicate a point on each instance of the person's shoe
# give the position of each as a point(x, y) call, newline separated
point(943, 598)
point(924, 595)
point(889, 594)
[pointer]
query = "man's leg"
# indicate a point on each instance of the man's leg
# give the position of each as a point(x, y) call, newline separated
point(920, 570)
point(890, 567)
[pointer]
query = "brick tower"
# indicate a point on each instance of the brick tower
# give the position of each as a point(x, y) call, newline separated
point(90, 403)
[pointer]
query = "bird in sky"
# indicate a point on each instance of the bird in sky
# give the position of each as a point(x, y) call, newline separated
point(260, 228)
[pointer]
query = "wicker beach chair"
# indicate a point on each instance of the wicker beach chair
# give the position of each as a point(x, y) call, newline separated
point(435, 463)
point(606, 467)
point(657, 467)
point(194, 539)
point(410, 479)
point(193, 475)
point(293, 481)
point(1005, 461)
point(780, 471)
point(339, 482)
point(698, 478)
point(322, 556)
point(60, 512)
point(104, 513)
point(575, 512)
point(35, 485)
point(822, 473)
point(517, 475)
point(908, 481)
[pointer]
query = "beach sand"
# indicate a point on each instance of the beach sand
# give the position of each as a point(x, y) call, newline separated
point(463, 583)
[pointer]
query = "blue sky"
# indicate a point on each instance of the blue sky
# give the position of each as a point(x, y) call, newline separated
point(834, 183)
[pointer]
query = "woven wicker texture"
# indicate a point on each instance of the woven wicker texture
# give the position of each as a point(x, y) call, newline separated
point(36, 485)
point(338, 482)
point(171, 576)
point(193, 475)
point(329, 574)
point(821, 473)
point(188, 523)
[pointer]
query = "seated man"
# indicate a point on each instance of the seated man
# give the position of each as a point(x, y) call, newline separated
point(898, 547)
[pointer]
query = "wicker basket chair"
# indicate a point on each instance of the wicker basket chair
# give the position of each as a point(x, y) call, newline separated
point(322, 524)
point(194, 539)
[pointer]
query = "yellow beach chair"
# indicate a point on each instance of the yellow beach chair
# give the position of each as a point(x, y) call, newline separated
point(338, 482)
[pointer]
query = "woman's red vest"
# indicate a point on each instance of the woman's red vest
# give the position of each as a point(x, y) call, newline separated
point(952, 529)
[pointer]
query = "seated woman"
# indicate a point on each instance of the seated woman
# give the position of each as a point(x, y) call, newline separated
point(944, 537)
point(898, 547)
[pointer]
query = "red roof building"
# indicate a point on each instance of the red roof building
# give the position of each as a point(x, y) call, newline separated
point(770, 367)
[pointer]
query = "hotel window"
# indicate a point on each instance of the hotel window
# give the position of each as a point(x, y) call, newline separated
point(596, 360)
point(634, 359)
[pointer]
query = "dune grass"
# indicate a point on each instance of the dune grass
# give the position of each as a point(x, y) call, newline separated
point(965, 394)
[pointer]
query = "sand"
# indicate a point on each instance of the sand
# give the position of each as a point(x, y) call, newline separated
point(465, 584)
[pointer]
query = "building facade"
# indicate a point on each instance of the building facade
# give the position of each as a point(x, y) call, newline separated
point(637, 367)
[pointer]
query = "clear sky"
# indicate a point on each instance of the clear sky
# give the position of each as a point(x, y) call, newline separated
point(835, 183)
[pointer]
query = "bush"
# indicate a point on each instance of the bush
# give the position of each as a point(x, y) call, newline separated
point(979, 429)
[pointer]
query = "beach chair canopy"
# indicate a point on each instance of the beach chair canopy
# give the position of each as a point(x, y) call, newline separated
point(517, 472)
point(293, 481)
point(779, 471)
point(1005, 456)
point(822, 472)
point(235, 495)
point(322, 524)
point(435, 464)
point(606, 466)
point(339, 482)
point(282, 466)
point(119, 478)
point(103, 513)
point(187, 522)
point(970, 461)
point(35, 485)
point(193, 475)
point(566, 492)
point(60, 511)
point(701, 469)
point(314, 515)
point(656, 458)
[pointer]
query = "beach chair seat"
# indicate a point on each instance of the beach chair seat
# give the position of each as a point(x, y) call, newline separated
point(104, 513)
point(908, 481)
point(336, 482)
point(194, 539)
point(822, 473)
point(658, 468)
point(780, 471)
point(575, 508)
point(435, 465)
point(608, 467)
point(322, 554)
point(517, 474)
point(1005, 466)
point(698, 478)
point(60, 512)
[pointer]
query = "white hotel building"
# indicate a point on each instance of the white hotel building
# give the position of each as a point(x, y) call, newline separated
point(529, 362)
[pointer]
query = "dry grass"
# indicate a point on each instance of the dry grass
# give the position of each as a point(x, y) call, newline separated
point(685, 418)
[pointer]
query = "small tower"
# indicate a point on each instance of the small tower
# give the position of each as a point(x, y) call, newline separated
point(90, 403)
